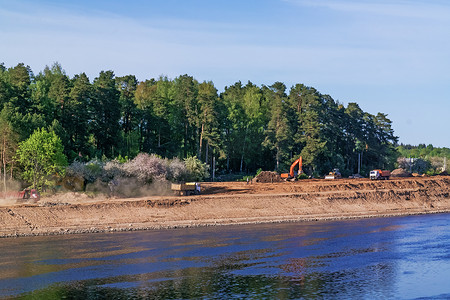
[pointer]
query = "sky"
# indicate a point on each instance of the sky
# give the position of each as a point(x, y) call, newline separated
point(388, 56)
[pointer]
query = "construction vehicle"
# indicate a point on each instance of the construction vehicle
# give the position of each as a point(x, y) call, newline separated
point(292, 175)
point(27, 194)
point(186, 189)
point(335, 174)
point(379, 175)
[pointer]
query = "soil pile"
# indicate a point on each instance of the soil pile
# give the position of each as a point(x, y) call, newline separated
point(400, 173)
point(224, 203)
point(268, 177)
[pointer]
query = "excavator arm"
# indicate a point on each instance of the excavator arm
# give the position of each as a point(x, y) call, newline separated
point(299, 161)
point(291, 173)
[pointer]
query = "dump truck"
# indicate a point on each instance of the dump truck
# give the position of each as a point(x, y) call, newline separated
point(186, 188)
point(380, 175)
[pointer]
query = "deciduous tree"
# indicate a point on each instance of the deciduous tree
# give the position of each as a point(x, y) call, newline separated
point(42, 159)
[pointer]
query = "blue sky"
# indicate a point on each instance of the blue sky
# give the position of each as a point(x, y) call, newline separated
point(388, 56)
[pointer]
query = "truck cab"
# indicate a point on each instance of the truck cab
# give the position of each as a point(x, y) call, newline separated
point(379, 175)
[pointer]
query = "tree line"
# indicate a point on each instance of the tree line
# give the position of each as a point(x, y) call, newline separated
point(244, 128)
point(424, 159)
point(423, 151)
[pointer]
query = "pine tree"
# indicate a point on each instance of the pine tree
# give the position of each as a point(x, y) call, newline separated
point(129, 113)
point(278, 133)
point(105, 109)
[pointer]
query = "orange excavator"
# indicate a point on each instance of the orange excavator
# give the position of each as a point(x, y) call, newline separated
point(291, 175)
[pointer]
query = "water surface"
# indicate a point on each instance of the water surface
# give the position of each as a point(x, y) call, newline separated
point(395, 258)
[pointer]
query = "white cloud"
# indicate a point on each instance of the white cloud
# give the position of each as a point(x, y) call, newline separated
point(387, 52)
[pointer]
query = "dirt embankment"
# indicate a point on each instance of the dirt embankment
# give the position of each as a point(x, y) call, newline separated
point(229, 203)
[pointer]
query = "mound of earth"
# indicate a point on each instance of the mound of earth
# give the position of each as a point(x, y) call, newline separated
point(400, 173)
point(267, 176)
point(226, 203)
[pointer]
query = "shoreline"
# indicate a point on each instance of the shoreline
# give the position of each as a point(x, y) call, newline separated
point(229, 223)
point(232, 203)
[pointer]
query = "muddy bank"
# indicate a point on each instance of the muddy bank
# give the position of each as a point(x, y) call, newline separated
point(229, 203)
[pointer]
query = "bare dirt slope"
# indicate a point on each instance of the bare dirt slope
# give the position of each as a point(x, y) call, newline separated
point(229, 203)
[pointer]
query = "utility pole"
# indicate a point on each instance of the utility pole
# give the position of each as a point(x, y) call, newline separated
point(214, 168)
point(359, 163)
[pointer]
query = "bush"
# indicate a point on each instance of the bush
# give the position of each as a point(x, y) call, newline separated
point(144, 175)
point(93, 170)
point(112, 169)
point(198, 171)
point(146, 168)
point(302, 176)
point(177, 171)
point(246, 178)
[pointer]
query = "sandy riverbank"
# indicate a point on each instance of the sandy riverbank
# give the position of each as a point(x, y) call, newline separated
point(228, 203)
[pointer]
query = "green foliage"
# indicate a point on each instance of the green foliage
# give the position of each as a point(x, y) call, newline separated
point(94, 170)
point(424, 159)
point(122, 159)
point(279, 133)
point(198, 170)
point(422, 151)
point(246, 178)
point(105, 116)
point(42, 159)
point(302, 176)
point(258, 171)
point(244, 128)
point(8, 146)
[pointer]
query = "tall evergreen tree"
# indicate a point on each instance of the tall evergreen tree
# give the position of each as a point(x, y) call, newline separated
point(311, 128)
point(105, 109)
point(17, 101)
point(185, 113)
point(234, 122)
point(19, 79)
point(4, 86)
point(8, 145)
point(80, 98)
point(144, 95)
point(129, 113)
point(155, 100)
point(247, 127)
point(208, 119)
point(279, 133)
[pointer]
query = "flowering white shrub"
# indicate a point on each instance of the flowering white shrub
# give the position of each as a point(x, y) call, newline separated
point(112, 169)
point(177, 171)
point(76, 169)
point(90, 171)
point(146, 168)
point(146, 174)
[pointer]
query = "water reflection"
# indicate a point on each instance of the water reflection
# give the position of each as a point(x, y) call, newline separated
point(373, 258)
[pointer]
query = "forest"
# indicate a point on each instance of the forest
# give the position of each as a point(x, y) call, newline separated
point(240, 130)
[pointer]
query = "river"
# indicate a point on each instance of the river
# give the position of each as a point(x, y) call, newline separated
point(394, 258)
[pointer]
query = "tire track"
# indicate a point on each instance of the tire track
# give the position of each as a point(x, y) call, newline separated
point(22, 218)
